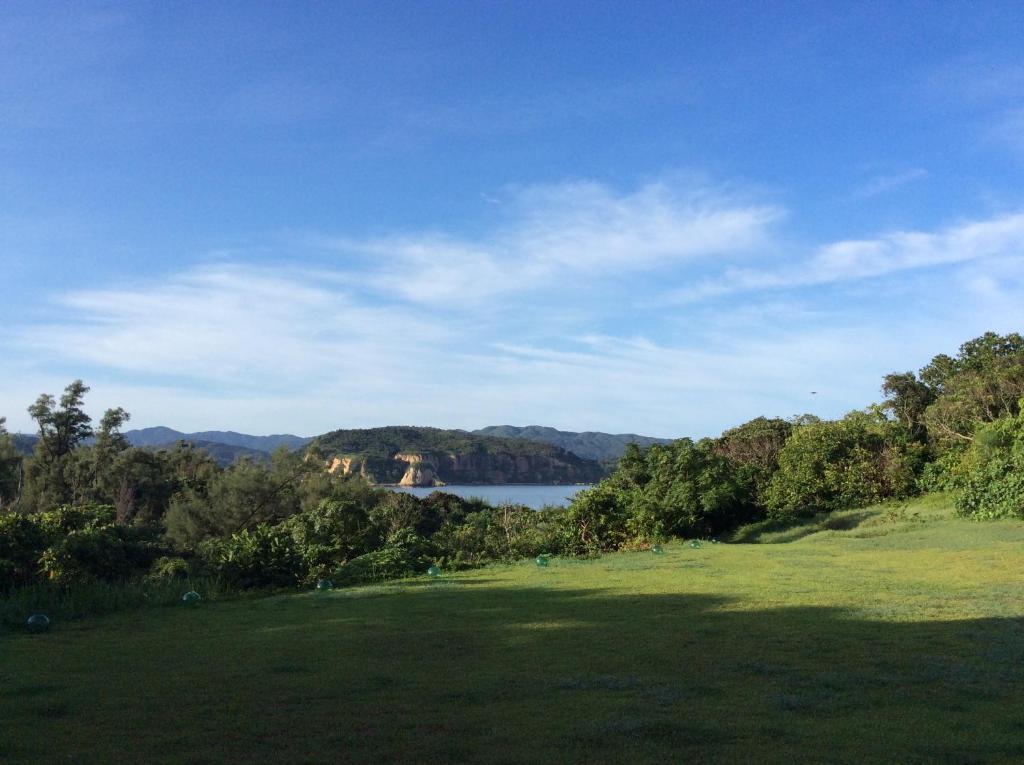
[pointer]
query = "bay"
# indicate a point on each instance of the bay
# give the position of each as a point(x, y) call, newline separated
point(534, 496)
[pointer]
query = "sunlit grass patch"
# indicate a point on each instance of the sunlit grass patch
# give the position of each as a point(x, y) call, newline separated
point(739, 652)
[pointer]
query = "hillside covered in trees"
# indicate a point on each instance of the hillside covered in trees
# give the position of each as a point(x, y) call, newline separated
point(413, 456)
point(606, 448)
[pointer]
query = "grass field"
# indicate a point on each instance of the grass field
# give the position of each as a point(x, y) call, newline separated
point(894, 634)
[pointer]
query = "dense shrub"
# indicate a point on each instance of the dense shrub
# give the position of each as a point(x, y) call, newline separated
point(73, 544)
point(329, 534)
point(833, 465)
point(596, 519)
point(169, 569)
point(677, 489)
point(405, 553)
point(506, 532)
point(753, 449)
point(264, 556)
point(991, 483)
point(22, 541)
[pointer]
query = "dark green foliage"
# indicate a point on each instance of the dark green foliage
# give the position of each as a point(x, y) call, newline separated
point(241, 497)
point(990, 483)
point(682, 489)
point(859, 460)
point(753, 450)
point(479, 534)
point(169, 569)
point(331, 533)
point(22, 541)
point(908, 399)
point(596, 519)
point(405, 553)
point(983, 383)
point(71, 545)
point(111, 553)
point(264, 556)
point(10, 468)
point(606, 448)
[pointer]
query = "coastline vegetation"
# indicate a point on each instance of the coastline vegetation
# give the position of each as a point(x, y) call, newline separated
point(86, 512)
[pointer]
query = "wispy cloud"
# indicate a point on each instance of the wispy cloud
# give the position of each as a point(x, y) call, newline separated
point(882, 184)
point(435, 329)
point(866, 258)
point(582, 231)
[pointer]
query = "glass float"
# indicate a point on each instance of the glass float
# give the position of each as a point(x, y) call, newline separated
point(656, 549)
point(38, 623)
point(434, 571)
point(191, 598)
point(323, 585)
point(541, 560)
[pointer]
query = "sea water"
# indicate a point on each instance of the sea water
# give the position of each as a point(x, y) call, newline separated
point(534, 496)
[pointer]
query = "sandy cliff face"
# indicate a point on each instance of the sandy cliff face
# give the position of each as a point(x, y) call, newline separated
point(422, 470)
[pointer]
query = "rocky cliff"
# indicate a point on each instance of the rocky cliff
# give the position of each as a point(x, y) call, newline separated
point(397, 456)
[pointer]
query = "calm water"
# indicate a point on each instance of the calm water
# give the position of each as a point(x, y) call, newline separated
point(531, 495)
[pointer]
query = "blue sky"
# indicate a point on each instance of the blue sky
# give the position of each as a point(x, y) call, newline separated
point(663, 218)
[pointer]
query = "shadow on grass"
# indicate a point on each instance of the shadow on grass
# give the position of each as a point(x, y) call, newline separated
point(780, 531)
point(469, 673)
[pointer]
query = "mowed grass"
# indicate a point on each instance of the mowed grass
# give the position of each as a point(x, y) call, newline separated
point(894, 634)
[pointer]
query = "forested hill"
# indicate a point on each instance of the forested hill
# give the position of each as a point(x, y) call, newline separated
point(603, 447)
point(166, 438)
point(24, 443)
point(420, 456)
point(161, 436)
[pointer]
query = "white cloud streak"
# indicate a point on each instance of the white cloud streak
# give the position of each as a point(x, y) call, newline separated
point(882, 184)
point(293, 349)
point(856, 259)
point(581, 231)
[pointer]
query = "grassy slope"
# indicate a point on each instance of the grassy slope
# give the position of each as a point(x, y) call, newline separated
point(898, 639)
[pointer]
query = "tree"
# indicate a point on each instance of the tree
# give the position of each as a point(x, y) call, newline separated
point(241, 497)
point(61, 429)
point(991, 482)
point(753, 449)
point(908, 398)
point(52, 477)
point(852, 462)
point(982, 384)
point(10, 468)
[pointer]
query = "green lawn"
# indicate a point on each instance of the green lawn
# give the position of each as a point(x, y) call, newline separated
point(886, 635)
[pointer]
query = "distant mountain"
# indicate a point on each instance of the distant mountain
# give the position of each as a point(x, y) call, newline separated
point(411, 456)
point(224, 454)
point(223, 446)
point(23, 442)
point(603, 447)
point(160, 436)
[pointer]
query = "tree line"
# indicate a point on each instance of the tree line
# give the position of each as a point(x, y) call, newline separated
point(955, 425)
point(86, 506)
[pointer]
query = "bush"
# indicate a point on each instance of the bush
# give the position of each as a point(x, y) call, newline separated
point(70, 544)
point(991, 482)
point(22, 541)
point(508, 532)
point(859, 460)
point(404, 554)
point(264, 556)
point(328, 535)
point(85, 555)
point(165, 569)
